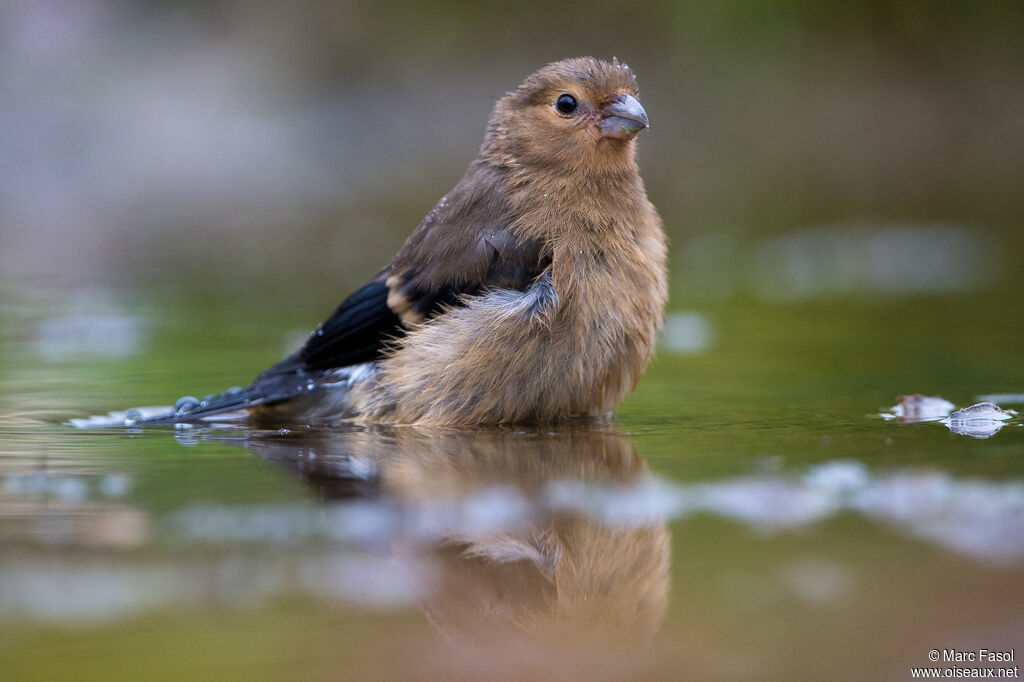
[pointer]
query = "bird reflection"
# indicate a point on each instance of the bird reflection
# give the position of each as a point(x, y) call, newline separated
point(522, 552)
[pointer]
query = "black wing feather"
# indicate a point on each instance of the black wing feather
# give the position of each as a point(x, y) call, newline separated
point(358, 331)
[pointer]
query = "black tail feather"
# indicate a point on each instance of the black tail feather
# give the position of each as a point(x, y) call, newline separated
point(264, 391)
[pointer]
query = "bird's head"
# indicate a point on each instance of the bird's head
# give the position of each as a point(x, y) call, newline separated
point(580, 112)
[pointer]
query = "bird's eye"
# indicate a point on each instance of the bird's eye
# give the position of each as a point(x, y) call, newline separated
point(565, 104)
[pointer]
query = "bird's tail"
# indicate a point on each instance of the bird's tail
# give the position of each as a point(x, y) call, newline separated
point(306, 392)
point(227, 406)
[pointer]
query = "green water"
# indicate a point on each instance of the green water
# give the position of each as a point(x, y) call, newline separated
point(749, 515)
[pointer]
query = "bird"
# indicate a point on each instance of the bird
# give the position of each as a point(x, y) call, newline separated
point(532, 292)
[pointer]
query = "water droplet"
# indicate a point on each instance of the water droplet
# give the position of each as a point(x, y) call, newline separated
point(234, 390)
point(133, 416)
point(186, 405)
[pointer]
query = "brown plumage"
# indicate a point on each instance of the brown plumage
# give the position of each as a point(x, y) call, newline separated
point(533, 291)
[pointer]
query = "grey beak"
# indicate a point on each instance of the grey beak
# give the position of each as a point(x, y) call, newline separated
point(622, 118)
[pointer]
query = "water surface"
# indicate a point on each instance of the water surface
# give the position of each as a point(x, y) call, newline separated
point(749, 514)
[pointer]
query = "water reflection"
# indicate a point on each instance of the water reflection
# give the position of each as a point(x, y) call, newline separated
point(476, 521)
point(55, 507)
point(507, 540)
point(515, 544)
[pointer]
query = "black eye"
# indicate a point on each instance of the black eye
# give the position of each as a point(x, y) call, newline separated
point(566, 104)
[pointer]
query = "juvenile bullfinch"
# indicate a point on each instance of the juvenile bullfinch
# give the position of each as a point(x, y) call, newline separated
point(533, 291)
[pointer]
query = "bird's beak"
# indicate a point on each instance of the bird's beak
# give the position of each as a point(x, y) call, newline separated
point(622, 118)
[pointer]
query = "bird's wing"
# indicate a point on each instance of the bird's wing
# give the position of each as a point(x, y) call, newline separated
point(463, 247)
point(356, 332)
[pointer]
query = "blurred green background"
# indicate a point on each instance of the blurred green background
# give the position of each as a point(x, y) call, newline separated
point(267, 151)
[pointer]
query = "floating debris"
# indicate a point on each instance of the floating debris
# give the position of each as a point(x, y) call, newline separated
point(982, 420)
point(978, 421)
point(919, 408)
point(982, 411)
